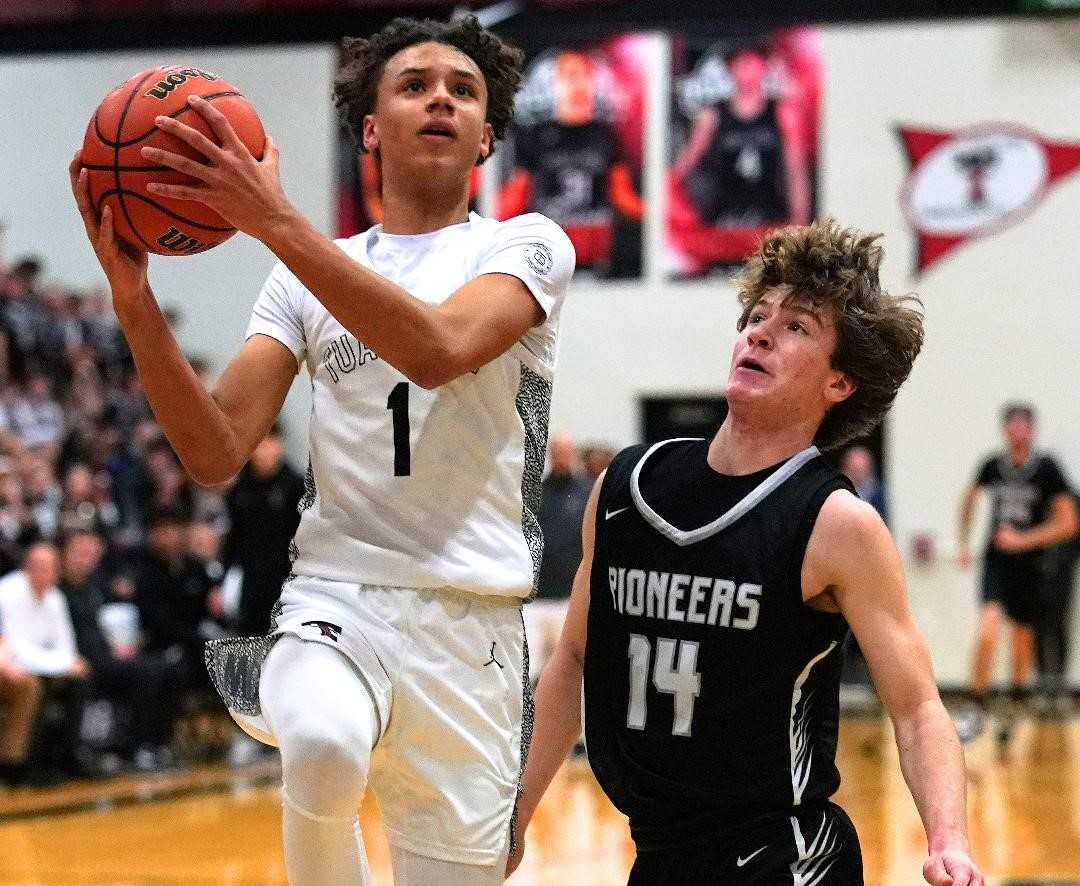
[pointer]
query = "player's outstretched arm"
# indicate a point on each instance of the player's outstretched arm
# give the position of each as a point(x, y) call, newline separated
point(558, 698)
point(851, 559)
point(430, 345)
point(967, 513)
point(213, 433)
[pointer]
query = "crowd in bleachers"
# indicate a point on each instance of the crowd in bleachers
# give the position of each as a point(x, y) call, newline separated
point(114, 566)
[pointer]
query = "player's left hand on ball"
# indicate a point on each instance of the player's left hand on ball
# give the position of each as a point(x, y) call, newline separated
point(244, 191)
point(951, 867)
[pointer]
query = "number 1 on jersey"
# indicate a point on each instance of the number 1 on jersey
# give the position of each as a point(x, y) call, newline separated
point(398, 404)
point(682, 681)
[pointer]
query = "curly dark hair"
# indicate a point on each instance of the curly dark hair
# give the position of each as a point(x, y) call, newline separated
point(357, 82)
point(878, 336)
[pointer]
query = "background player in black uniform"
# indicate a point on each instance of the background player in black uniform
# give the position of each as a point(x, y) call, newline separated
point(717, 581)
point(1031, 509)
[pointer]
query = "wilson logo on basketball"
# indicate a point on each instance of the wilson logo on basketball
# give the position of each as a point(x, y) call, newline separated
point(178, 241)
point(174, 79)
point(968, 184)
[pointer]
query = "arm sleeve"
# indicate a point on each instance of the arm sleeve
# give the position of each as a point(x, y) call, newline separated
point(537, 251)
point(987, 473)
point(276, 312)
point(1054, 478)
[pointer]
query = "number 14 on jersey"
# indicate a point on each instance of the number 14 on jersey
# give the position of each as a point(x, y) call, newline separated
point(680, 680)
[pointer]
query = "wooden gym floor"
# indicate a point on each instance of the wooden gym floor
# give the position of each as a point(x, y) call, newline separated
point(216, 826)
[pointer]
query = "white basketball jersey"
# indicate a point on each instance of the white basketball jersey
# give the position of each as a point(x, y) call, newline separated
point(418, 488)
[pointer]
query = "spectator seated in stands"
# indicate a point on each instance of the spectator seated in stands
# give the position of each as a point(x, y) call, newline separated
point(37, 625)
point(172, 593)
point(140, 686)
point(16, 524)
point(263, 516)
point(87, 505)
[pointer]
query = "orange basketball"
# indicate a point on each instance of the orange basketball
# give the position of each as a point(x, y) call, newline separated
point(118, 173)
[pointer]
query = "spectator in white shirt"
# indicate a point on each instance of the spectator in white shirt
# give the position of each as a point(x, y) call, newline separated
point(34, 618)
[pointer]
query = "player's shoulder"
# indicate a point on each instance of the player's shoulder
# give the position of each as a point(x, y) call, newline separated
point(353, 246)
point(847, 520)
point(533, 224)
point(627, 458)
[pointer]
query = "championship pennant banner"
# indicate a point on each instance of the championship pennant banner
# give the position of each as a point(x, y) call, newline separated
point(970, 183)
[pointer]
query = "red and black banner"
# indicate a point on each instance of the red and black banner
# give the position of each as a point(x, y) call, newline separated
point(974, 182)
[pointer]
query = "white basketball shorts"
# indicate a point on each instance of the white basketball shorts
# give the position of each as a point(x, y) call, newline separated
point(446, 671)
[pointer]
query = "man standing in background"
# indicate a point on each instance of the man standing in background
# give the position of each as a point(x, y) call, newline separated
point(858, 465)
point(1031, 509)
point(563, 495)
point(263, 516)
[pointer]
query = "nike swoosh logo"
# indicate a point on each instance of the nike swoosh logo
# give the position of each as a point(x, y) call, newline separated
point(609, 514)
point(740, 861)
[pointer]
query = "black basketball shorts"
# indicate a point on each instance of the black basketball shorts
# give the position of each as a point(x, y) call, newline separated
point(813, 845)
point(1014, 588)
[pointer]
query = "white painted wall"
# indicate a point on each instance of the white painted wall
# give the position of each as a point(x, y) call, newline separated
point(1000, 313)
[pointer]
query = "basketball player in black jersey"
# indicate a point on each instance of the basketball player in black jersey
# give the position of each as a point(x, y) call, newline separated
point(717, 582)
point(1031, 510)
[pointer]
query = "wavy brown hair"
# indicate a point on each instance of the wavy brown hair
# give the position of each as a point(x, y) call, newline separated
point(357, 81)
point(878, 336)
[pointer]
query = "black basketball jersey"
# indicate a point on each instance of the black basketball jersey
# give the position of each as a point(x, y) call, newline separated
point(1020, 497)
point(740, 179)
point(710, 686)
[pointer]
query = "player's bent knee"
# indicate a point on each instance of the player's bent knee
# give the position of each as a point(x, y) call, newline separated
point(325, 771)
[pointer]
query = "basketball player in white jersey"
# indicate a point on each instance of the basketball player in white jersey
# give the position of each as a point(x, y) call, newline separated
point(397, 656)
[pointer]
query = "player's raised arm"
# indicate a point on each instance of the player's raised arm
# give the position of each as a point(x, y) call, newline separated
point(213, 433)
point(967, 513)
point(851, 558)
point(558, 697)
point(428, 344)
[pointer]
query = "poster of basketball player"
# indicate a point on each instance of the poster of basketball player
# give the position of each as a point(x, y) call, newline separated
point(576, 148)
point(744, 130)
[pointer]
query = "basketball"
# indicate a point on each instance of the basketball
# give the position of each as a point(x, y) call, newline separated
point(118, 174)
